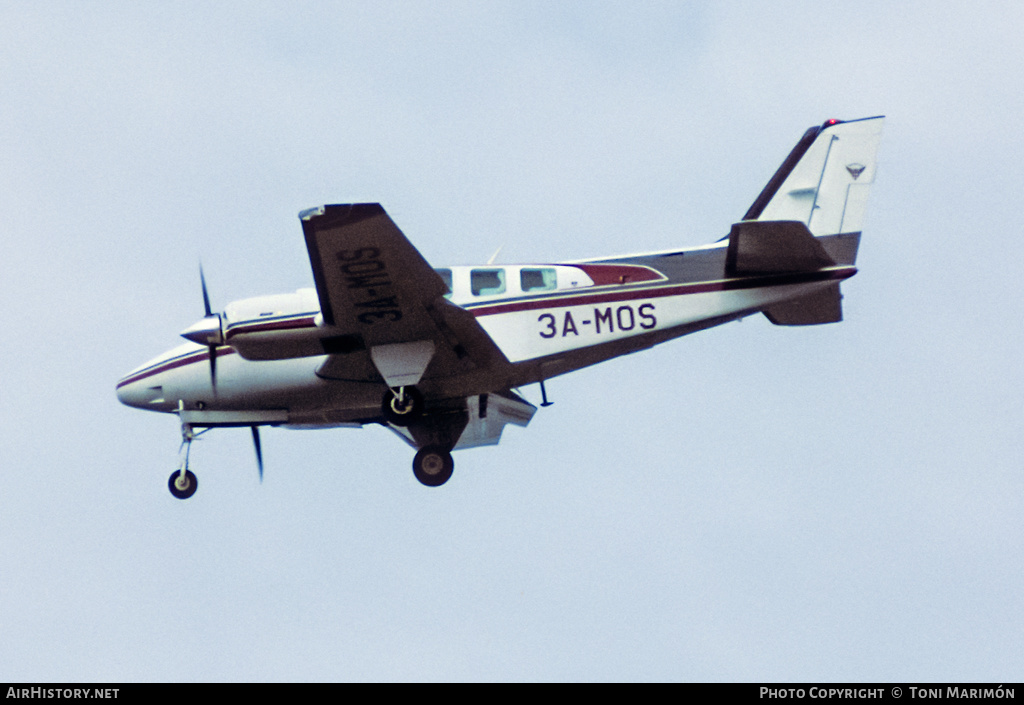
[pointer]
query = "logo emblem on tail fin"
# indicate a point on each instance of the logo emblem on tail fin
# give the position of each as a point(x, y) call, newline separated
point(855, 169)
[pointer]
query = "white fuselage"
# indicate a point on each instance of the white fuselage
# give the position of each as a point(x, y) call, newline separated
point(537, 315)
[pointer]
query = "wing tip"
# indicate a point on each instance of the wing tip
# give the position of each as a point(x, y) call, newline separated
point(338, 213)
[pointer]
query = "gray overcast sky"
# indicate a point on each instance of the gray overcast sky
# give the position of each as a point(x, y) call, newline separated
point(842, 502)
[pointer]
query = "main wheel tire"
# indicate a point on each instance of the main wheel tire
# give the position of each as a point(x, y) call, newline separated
point(433, 466)
point(183, 489)
point(402, 414)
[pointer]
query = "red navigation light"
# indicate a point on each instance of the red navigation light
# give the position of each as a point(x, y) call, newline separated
point(830, 123)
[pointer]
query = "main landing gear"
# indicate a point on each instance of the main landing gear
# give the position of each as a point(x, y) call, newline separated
point(433, 466)
point(434, 432)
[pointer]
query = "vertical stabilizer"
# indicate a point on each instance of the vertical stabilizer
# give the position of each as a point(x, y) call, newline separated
point(825, 181)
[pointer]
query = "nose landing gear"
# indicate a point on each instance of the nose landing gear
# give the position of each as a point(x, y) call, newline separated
point(183, 483)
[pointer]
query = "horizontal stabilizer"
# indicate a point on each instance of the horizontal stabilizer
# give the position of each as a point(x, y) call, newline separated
point(824, 306)
point(773, 247)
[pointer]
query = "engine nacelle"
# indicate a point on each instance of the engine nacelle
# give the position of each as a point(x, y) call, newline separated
point(275, 327)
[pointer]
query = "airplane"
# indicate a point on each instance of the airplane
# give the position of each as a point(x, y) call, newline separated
point(438, 355)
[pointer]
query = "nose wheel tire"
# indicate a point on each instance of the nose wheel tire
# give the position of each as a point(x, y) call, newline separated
point(183, 488)
point(433, 466)
point(402, 413)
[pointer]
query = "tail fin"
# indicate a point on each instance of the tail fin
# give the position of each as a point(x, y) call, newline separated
point(825, 180)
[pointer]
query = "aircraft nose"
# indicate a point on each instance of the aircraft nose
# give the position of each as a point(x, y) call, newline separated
point(128, 393)
point(137, 394)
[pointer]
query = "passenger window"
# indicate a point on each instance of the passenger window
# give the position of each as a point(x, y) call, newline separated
point(446, 275)
point(486, 282)
point(537, 279)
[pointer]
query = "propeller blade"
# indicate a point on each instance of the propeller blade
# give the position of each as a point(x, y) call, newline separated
point(213, 366)
point(206, 296)
point(205, 331)
point(259, 451)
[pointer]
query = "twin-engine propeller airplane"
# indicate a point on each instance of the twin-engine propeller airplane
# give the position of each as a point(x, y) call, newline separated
point(437, 354)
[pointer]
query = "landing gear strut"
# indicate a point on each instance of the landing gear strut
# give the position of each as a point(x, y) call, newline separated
point(183, 483)
point(433, 466)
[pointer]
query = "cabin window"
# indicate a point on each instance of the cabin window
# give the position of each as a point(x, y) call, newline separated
point(538, 279)
point(487, 282)
point(446, 275)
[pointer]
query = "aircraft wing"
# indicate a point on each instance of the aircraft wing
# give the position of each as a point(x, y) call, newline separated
point(377, 293)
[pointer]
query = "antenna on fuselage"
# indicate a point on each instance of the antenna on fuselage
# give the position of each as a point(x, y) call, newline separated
point(544, 395)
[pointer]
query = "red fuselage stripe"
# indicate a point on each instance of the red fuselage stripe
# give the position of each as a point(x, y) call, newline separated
point(582, 299)
point(190, 358)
